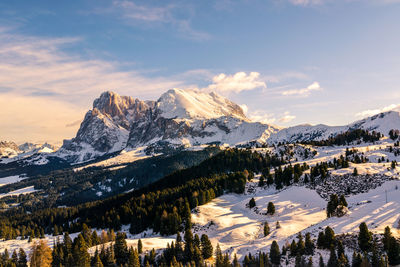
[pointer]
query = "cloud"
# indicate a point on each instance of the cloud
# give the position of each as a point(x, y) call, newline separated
point(236, 83)
point(42, 86)
point(268, 118)
point(72, 124)
point(171, 14)
point(304, 91)
point(370, 112)
point(261, 116)
point(39, 67)
point(287, 117)
point(37, 119)
point(306, 2)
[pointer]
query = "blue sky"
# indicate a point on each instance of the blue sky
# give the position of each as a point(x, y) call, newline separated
point(286, 61)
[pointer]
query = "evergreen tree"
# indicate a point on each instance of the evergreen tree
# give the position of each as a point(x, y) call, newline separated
point(14, 257)
point(355, 172)
point(386, 238)
point(342, 201)
point(121, 249)
point(189, 249)
point(271, 208)
point(274, 253)
point(97, 262)
point(329, 237)
point(356, 260)
point(252, 203)
point(235, 261)
point(300, 244)
point(309, 245)
point(293, 248)
point(332, 262)
point(394, 252)
point(40, 255)
point(310, 262)
point(196, 241)
point(206, 247)
point(81, 255)
point(364, 238)
point(140, 246)
point(321, 261)
point(266, 229)
point(133, 260)
point(321, 240)
point(22, 260)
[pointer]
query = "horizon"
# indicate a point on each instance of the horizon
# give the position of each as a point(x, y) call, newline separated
point(288, 62)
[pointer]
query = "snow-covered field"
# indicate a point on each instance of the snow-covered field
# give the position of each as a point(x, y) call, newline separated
point(238, 229)
point(123, 157)
point(22, 191)
point(11, 179)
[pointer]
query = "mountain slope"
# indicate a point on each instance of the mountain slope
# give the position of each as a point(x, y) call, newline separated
point(178, 118)
point(382, 123)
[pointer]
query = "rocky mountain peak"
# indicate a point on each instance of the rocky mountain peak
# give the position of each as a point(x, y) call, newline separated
point(196, 104)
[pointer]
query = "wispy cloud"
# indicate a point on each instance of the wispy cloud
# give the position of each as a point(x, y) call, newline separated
point(267, 117)
point(37, 77)
point(307, 2)
point(370, 112)
point(237, 82)
point(287, 117)
point(315, 86)
point(138, 14)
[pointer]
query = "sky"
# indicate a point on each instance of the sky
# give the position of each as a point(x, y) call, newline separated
point(286, 62)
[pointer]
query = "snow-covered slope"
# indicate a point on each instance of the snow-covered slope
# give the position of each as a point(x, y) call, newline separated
point(194, 104)
point(382, 123)
point(8, 149)
point(178, 118)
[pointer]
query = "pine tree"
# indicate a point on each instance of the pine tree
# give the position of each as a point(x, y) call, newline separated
point(271, 208)
point(196, 241)
point(40, 255)
point(386, 238)
point(394, 252)
point(332, 262)
point(189, 249)
point(235, 261)
point(252, 203)
point(340, 249)
point(309, 245)
point(310, 262)
point(14, 257)
point(355, 172)
point(321, 261)
point(293, 248)
point(300, 244)
point(342, 201)
point(22, 260)
point(133, 260)
point(356, 260)
point(206, 247)
point(329, 237)
point(274, 253)
point(321, 240)
point(121, 249)
point(218, 257)
point(364, 238)
point(266, 229)
point(140, 246)
point(97, 262)
point(81, 255)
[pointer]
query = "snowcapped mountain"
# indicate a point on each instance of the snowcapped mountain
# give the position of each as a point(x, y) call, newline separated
point(382, 123)
point(9, 149)
point(177, 118)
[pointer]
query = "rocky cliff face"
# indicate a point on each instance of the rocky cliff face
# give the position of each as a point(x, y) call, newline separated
point(178, 117)
point(8, 149)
